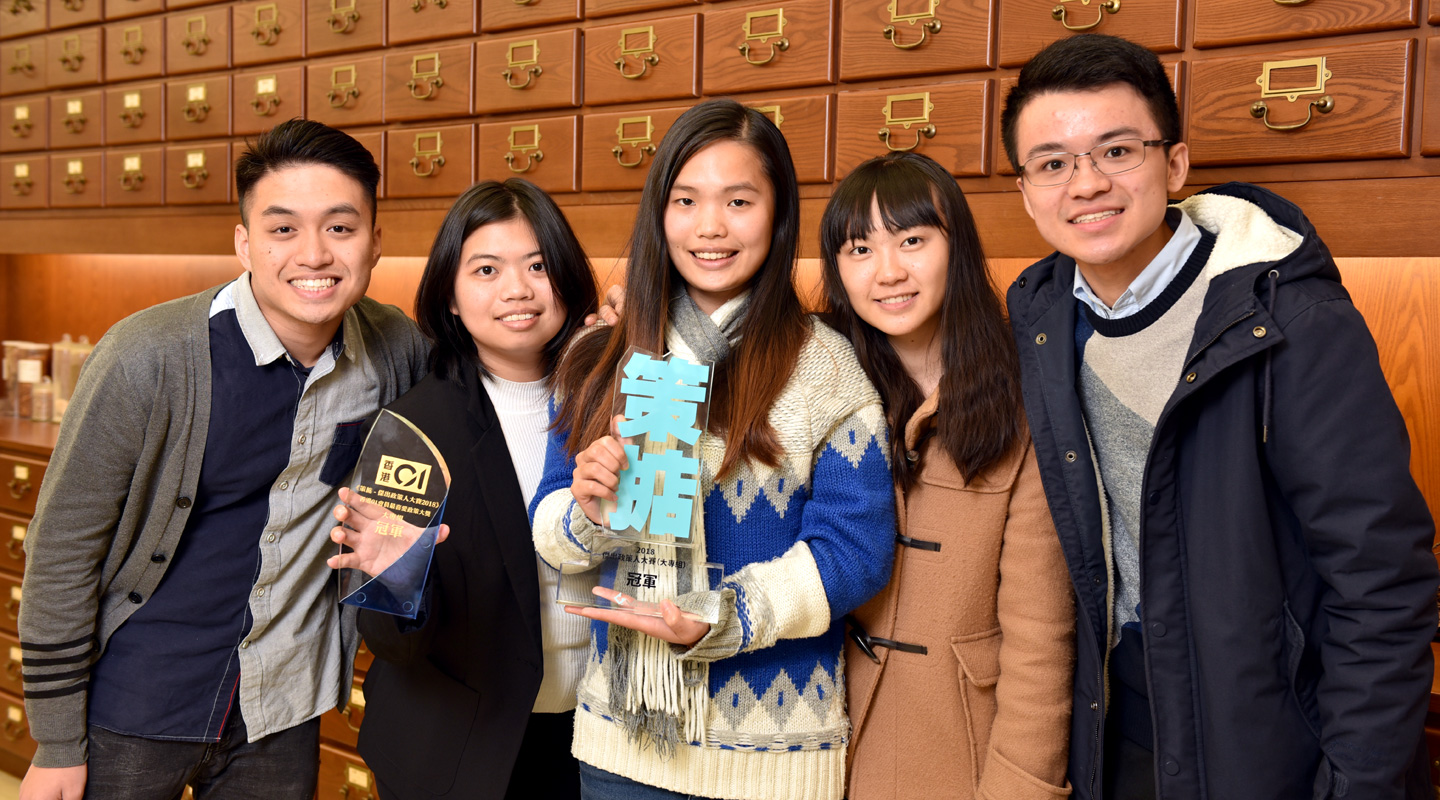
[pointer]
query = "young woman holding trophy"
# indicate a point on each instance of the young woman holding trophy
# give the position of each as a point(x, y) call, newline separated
point(979, 576)
point(793, 487)
point(475, 697)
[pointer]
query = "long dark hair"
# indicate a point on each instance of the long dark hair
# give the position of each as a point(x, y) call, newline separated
point(979, 418)
point(453, 349)
point(746, 384)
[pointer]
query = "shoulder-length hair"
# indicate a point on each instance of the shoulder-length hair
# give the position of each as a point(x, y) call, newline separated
point(979, 417)
point(453, 350)
point(745, 385)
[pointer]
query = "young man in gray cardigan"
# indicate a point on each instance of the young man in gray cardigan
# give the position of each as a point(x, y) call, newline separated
point(180, 625)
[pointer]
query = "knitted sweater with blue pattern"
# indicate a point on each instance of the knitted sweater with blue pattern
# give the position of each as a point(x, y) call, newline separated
point(802, 545)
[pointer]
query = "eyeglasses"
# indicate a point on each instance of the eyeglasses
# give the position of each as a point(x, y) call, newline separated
point(1110, 158)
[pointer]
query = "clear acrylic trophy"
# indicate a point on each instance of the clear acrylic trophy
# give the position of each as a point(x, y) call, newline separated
point(400, 485)
point(645, 552)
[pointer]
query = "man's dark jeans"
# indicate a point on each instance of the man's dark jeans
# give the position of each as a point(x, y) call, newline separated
point(281, 766)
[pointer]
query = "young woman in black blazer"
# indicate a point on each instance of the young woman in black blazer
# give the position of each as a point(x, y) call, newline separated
point(475, 699)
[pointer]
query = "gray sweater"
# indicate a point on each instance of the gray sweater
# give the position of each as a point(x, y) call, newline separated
point(125, 467)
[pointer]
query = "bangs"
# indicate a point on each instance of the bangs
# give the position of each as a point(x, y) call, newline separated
point(904, 194)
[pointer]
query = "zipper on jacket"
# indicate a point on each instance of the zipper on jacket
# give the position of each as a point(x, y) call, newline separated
point(1216, 337)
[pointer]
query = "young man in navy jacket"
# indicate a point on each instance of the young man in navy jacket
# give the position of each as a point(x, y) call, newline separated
point(1226, 467)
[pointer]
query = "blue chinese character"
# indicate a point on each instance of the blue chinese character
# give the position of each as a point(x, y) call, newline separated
point(661, 397)
point(636, 493)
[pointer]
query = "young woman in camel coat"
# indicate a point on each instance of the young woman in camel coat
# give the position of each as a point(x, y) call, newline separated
point(959, 671)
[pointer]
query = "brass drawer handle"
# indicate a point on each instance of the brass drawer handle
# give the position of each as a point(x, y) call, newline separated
point(619, 151)
point(74, 184)
point(776, 47)
point(12, 669)
point(533, 72)
point(195, 45)
point(19, 7)
point(12, 608)
point(343, 23)
point(1261, 112)
point(14, 730)
point(75, 123)
point(132, 117)
point(928, 132)
point(531, 160)
point(18, 488)
point(131, 181)
point(196, 111)
point(267, 34)
point(339, 99)
point(349, 715)
point(435, 162)
point(74, 5)
point(22, 128)
point(1111, 6)
point(132, 53)
point(16, 549)
point(265, 107)
point(26, 68)
point(21, 187)
point(645, 64)
point(1301, 3)
point(71, 61)
point(194, 177)
point(524, 2)
point(933, 26)
point(345, 792)
point(419, 5)
point(431, 85)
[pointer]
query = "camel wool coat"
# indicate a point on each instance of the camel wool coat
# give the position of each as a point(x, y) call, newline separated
point(985, 713)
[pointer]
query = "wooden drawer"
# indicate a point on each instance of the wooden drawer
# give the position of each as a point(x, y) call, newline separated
point(502, 16)
point(15, 731)
point(22, 475)
point(197, 108)
point(21, 18)
point(13, 528)
point(525, 74)
point(809, 127)
point(542, 151)
point(27, 186)
point(343, 725)
point(1226, 22)
point(76, 181)
point(606, 8)
point(10, 590)
point(1430, 123)
point(618, 147)
point(135, 113)
point(374, 141)
point(429, 83)
point(22, 66)
point(419, 20)
point(266, 97)
point(77, 119)
point(946, 121)
point(70, 13)
point(335, 26)
point(197, 173)
point(134, 176)
point(892, 38)
point(769, 46)
point(11, 681)
point(343, 774)
point(268, 30)
point(429, 162)
point(345, 92)
point(1026, 26)
point(73, 58)
point(120, 9)
point(1366, 86)
point(135, 49)
point(198, 40)
point(650, 59)
point(26, 122)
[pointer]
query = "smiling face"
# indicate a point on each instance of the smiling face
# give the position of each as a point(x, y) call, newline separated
point(310, 245)
point(718, 221)
point(896, 281)
point(504, 299)
point(1112, 225)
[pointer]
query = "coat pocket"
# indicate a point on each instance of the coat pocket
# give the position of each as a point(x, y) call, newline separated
point(344, 452)
point(978, 655)
point(1302, 681)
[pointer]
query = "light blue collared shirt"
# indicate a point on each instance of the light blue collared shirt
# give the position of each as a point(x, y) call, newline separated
point(1154, 278)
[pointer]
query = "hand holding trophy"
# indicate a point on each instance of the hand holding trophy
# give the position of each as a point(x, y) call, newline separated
point(375, 536)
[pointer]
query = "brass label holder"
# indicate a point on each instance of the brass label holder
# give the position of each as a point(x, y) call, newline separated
point(524, 140)
point(131, 114)
point(132, 44)
point(75, 115)
point(342, 86)
point(197, 108)
point(267, 97)
point(267, 25)
point(637, 133)
point(633, 45)
point(773, 112)
point(22, 126)
point(929, 24)
point(524, 56)
point(195, 40)
point(74, 176)
point(895, 109)
point(762, 26)
point(21, 61)
point(342, 19)
point(425, 72)
point(1324, 104)
point(195, 173)
point(428, 149)
point(70, 56)
point(131, 174)
point(22, 184)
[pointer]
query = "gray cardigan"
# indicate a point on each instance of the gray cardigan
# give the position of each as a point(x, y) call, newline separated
point(126, 465)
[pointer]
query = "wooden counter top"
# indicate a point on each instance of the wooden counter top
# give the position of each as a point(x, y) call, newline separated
point(25, 436)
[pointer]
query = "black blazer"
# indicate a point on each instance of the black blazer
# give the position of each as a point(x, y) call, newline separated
point(446, 703)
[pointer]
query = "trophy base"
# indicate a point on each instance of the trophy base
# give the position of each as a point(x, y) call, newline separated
point(634, 574)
